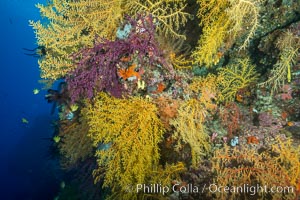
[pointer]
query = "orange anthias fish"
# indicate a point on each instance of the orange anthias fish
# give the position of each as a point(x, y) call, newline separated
point(239, 98)
point(290, 123)
point(252, 140)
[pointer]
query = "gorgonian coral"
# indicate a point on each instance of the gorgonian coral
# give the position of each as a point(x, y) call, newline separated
point(277, 167)
point(236, 76)
point(130, 130)
point(224, 22)
point(72, 25)
point(98, 67)
point(170, 14)
point(75, 145)
point(289, 46)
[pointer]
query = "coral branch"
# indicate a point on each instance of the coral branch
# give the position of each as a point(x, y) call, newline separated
point(99, 68)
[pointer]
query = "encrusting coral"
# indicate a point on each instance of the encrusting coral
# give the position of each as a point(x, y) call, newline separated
point(231, 117)
point(167, 108)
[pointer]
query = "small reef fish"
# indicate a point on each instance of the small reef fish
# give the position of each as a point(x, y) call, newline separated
point(56, 139)
point(125, 59)
point(70, 115)
point(74, 107)
point(290, 123)
point(160, 88)
point(25, 121)
point(239, 98)
point(62, 185)
point(36, 91)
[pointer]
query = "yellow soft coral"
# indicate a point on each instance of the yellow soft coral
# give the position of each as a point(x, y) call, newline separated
point(276, 168)
point(189, 129)
point(75, 145)
point(170, 14)
point(234, 77)
point(216, 23)
point(224, 21)
point(244, 15)
point(206, 90)
point(72, 25)
point(131, 130)
point(288, 159)
point(289, 46)
point(180, 62)
point(189, 123)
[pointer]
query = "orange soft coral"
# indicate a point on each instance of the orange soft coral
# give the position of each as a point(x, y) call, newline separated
point(167, 110)
point(160, 88)
point(252, 140)
point(129, 73)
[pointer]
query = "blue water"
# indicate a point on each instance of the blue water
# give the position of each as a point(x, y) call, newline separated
point(26, 170)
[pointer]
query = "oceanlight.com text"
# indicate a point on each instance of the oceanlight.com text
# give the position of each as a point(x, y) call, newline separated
point(250, 189)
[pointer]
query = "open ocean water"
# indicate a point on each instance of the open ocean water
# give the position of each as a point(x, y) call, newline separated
point(27, 170)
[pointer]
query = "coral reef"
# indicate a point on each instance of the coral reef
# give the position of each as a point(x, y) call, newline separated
point(146, 112)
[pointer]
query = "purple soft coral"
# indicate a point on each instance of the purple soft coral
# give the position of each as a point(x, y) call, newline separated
point(95, 71)
point(97, 67)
